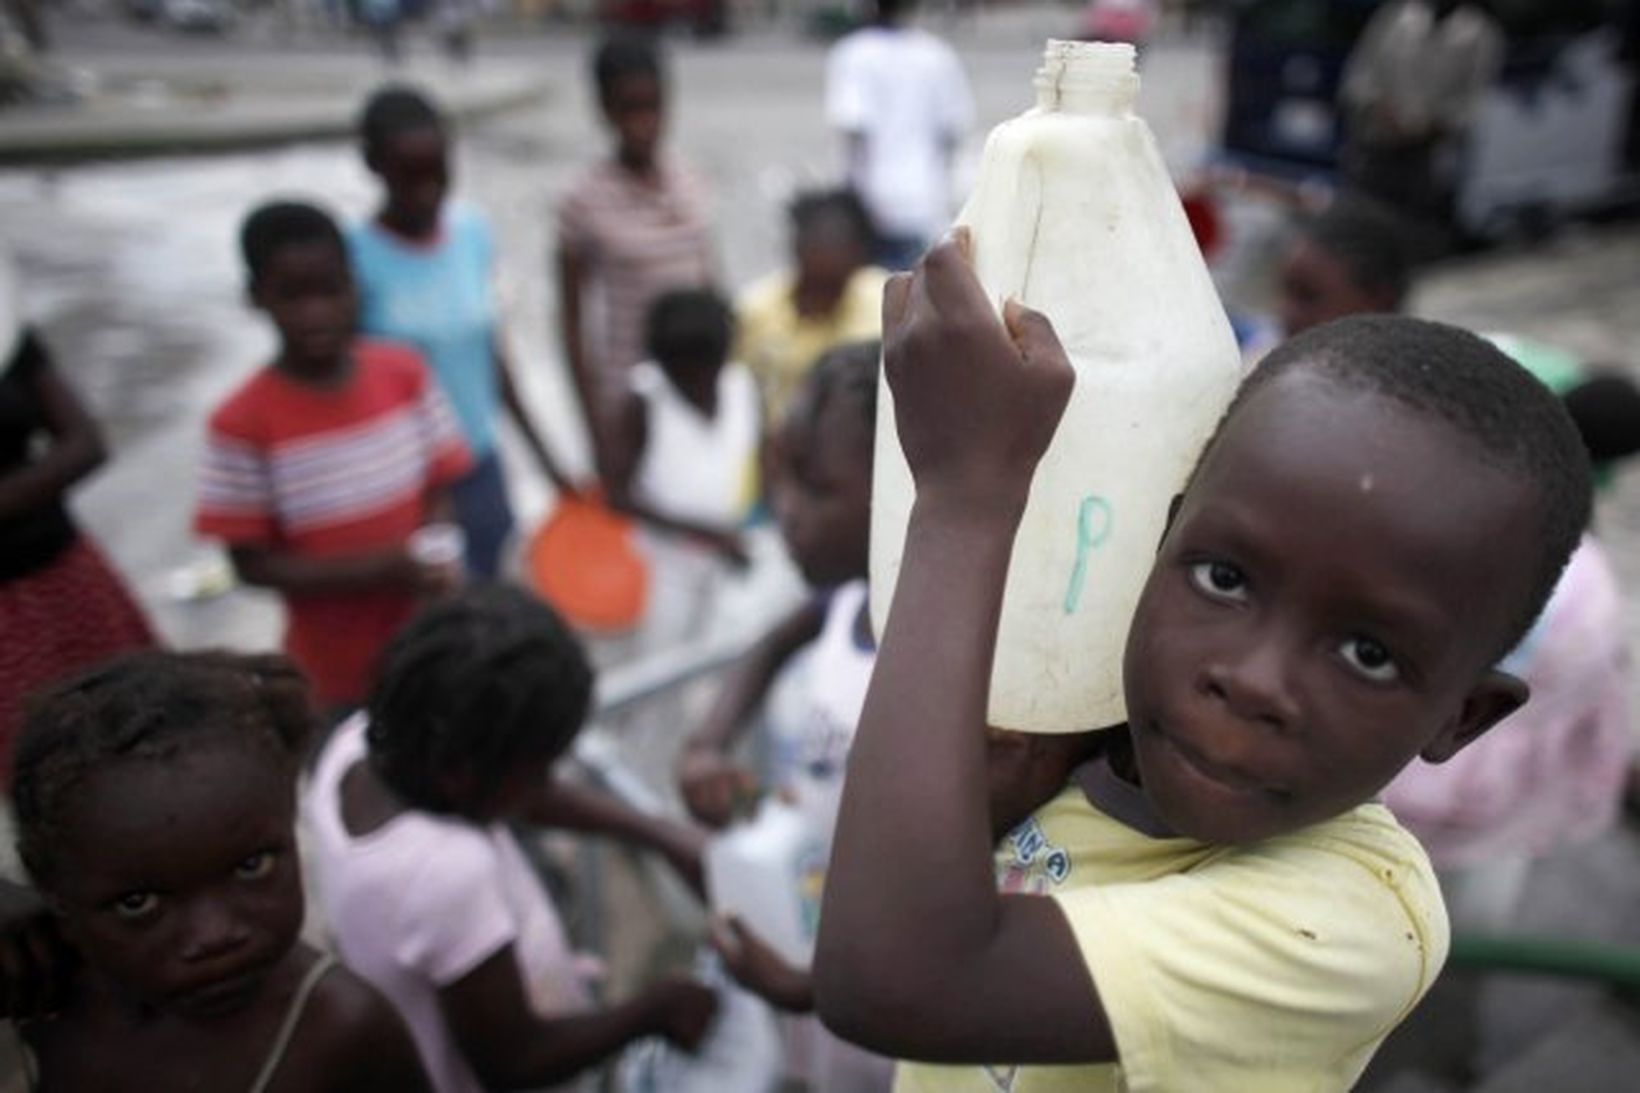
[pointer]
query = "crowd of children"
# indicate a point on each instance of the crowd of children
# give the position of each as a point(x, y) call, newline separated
point(1366, 570)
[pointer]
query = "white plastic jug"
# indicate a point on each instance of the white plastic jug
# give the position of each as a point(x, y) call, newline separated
point(769, 872)
point(1074, 214)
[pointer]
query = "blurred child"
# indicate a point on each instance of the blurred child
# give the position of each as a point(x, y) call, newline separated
point(62, 606)
point(832, 295)
point(630, 227)
point(321, 467)
point(426, 888)
point(155, 802)
point(1351, 259)
point(683, 458)
point(425, 267)
point(1380, 516)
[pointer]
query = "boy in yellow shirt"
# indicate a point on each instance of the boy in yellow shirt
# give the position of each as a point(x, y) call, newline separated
point(1380, 516)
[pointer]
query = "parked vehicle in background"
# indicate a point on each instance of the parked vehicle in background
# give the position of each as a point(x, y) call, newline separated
point(1553, 137)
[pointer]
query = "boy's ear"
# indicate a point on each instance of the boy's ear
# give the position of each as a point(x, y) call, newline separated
point(1495, 697)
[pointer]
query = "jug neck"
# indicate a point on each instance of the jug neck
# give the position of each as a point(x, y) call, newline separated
point(1091, 78)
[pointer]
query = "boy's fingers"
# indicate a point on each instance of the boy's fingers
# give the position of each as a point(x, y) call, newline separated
point(896, 295)
point(964, 239)
point(1033, 335)
point(949, 279)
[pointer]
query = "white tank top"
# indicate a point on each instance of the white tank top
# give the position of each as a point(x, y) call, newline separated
point(696, 467)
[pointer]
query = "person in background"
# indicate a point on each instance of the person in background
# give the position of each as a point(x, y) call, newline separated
point(321, 467)
point(900, 99)
point(425, 270)
point(684, 459)
point(1410, 92)
point(830, 296)
point(422, 878)
point(62, 607)
point(155, 800)
point(630, 227)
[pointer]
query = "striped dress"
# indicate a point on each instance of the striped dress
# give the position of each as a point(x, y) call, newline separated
point(636, 238)
point(327, 473)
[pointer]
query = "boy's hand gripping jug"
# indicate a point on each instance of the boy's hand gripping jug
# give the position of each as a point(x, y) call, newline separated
point(1074, 215)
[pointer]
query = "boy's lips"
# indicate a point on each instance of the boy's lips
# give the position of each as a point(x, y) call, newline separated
point(1227, 775)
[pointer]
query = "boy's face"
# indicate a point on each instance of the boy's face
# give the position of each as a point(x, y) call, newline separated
point(635, 109)
point(828, 251)
point(415, 170)
point(307, 291)
point(1325, 607)
point(822, 489)
point(1315, 287)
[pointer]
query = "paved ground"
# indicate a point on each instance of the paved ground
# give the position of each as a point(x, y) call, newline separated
point(131, 267)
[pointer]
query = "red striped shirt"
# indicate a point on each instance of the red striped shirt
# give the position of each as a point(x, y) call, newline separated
point(328, 472)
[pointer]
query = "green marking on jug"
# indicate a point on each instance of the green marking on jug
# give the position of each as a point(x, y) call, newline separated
point(1089, 537)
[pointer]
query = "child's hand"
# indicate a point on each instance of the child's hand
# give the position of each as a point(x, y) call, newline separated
point(732, 547)
point(713, 786)
point(759, 968)
point(976, 400)
point(35, 963)
point(683, 1011)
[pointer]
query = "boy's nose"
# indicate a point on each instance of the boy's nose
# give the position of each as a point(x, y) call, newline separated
point(1253, 684)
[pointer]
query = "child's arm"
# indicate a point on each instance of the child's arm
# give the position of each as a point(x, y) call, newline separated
point(571, 807)
point(288, 572)
point(76, 443)
point(623, 453)
point(760, 969)
point(919, 956)
point(526, 425)
point(571, 289)
point(511, 1048)
point(710, 781)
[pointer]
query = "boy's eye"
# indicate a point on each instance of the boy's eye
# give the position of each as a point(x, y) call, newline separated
point(136, 905)
point(1370, 660)
point(1220, 580)
point(256, 866)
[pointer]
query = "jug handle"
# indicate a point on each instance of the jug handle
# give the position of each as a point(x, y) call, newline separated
point(1002, 260)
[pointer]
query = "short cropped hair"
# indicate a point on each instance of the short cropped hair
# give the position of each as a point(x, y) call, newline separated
point(1371, 243)
point(1472, 386)
point(393, 111)
point(479, 683)
point(689, 325)
point(623, 56)
point(813, 206)
point(279, 224)
point(151, 706)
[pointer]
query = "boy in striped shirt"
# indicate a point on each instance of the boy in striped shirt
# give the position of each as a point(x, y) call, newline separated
point(322, 465)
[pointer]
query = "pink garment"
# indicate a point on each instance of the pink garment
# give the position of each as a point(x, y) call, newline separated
point(423, 900)
point(1552, 773)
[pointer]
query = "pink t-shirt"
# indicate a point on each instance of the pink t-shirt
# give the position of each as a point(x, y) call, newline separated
point(422, 901)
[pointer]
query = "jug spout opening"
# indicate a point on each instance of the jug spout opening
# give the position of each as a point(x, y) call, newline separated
point(1096, 78)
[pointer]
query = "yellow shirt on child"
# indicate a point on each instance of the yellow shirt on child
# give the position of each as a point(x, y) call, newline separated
point(1275, 966)
point(780, 346)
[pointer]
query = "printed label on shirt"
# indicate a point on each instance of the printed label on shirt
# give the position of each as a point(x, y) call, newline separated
point(1031, 864)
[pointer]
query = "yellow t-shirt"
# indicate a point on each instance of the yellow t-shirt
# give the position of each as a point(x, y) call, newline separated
point(1272, 967)
point(780, 346)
